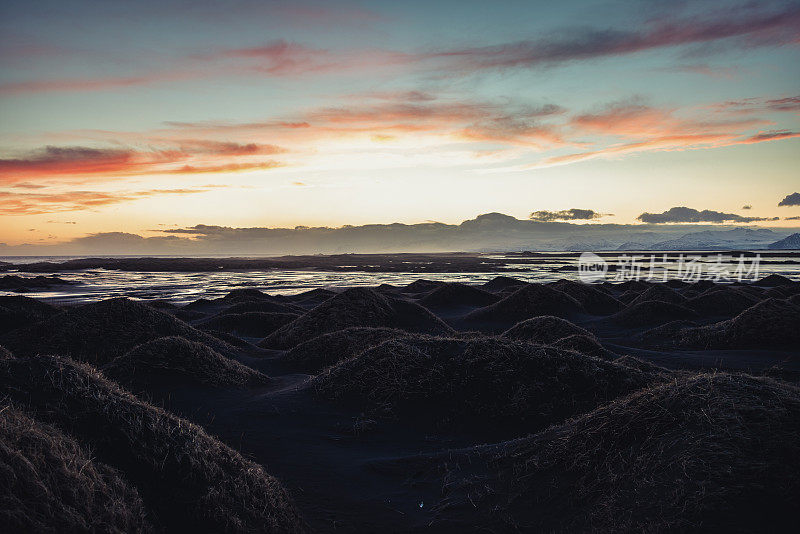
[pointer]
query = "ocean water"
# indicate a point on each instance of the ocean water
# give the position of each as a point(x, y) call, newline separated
point(182, 287)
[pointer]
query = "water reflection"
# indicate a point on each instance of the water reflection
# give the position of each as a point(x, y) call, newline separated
point(181, 287)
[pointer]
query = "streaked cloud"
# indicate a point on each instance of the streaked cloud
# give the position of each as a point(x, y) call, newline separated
point(749, 23)
point(12, 203)
point(744, 25)
point(184, 157)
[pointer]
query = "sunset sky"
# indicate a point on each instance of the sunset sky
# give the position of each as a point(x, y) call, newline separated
point(148, 116)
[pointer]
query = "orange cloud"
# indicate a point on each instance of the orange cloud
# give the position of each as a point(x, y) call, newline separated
point(673, 142)
point(640, 128)
point(676, 142)
point(185, 157)
point(227, 168)
point(12, 203)
point(225, 147)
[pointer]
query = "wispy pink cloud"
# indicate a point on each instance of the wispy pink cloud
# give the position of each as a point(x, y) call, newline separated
point(13, 203)
point(184, 157)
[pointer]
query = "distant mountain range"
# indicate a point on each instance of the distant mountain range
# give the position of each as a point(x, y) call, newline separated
point(788, 243)
point(490, 232)
point(737, 238)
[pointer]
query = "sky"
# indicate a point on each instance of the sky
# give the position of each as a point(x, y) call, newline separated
point(151, 118)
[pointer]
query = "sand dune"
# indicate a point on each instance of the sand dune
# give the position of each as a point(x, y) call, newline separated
point(528, 301)
point(455, 295)
point(51, 483)
point(188, 479)
point(356, 307)
point(101, 331)
point(593, 299)
point(651, 312)
point(177, 360)
point(714, 452)
point(250, 324)
point(482, 383)
point(544, 329)
point(769, 323)
point(371, 410)
point(17, 312)
point(328, 349)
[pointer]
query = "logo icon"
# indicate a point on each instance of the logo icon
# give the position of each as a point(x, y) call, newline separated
point(591, 268)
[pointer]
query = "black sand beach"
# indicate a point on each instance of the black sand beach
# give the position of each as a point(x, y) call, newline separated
point(435, 407)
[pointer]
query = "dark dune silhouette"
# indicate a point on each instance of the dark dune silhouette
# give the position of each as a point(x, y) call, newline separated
point(724, 301)
point(389, 288)
point(712, 452)
point(199, 304)
point(665, 335)
point(18, 312)
point(309, 299)
point(499, 283)
point(594, 300)
point(187, 316)
point(391, 381)
point(628, 296)
point(782, 291)
point(677, 284)
point(584, 344)
point(421, 286)
point(187, 479)
point(702, 285)
point(660, 293)
point(544, 329)
point(455, 295)
point(528, 301)
point(329, 349)
point(632, 285)
point(771, 323)
point(265, 306)
point(356, 307)
point(175, 360)
point(774, 280)
point(752, 290)
point(651, 312)
point(652, 370)
point(246, 295)
point(15, 282)
point(232, 340)
point(480, 383)
point(100, 331)
point(51, 483)
point(250, 324)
